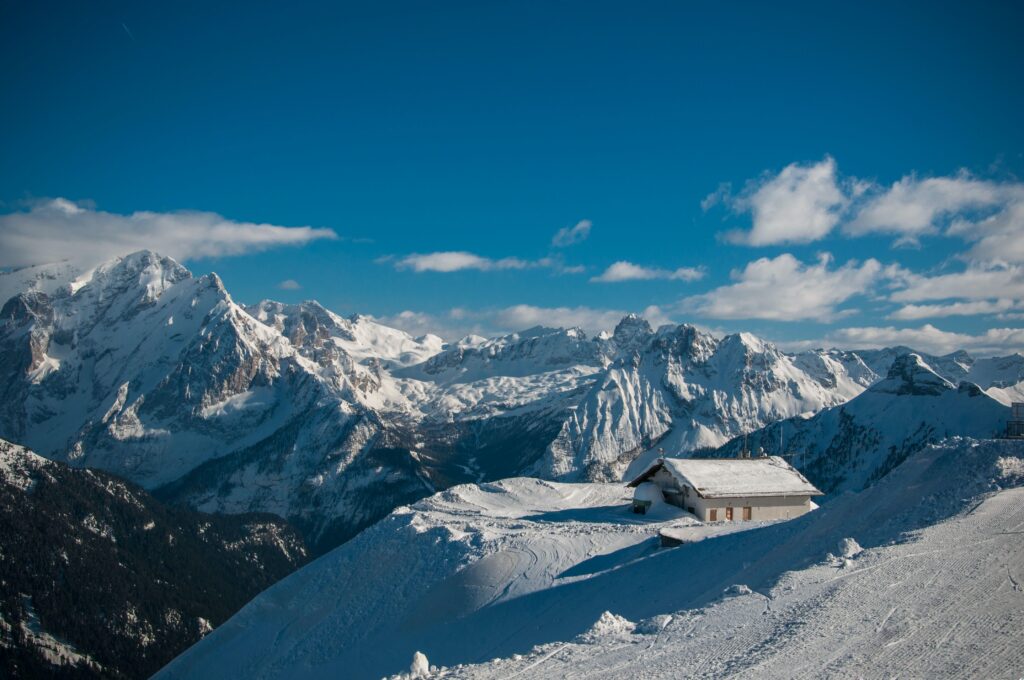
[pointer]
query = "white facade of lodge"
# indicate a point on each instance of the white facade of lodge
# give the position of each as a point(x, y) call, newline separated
point(731, 489)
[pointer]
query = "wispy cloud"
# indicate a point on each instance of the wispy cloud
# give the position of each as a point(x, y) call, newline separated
point(627, 271)
point(59, 229)
point(456, 260)
point(568, 236)
point(459, 322)
point(289, 284)
point(918, 312)
point(785, 289)
point(913, 207)
point(976, 282)
point(450, 261)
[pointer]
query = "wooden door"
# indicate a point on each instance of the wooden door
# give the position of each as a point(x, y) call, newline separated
point(728, 514)
point(747, 513)
point(713, 515)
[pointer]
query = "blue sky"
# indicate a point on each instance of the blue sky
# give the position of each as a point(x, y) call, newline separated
point(740, 158)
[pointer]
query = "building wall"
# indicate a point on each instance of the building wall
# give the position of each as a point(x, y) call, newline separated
point(761, 508)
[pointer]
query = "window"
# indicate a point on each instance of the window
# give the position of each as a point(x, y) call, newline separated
point(728, 514)
point(713, 515)
point(748, 513)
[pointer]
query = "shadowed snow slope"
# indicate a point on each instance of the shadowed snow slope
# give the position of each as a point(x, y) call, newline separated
point(494, 571)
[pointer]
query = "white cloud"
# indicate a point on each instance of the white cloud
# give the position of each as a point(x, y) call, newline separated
point(803, 203)
point(569, 236)
point(998, 237)
point(785, 289)
point(460, 260)
point(59, 229)
point(588, 318)
point(289, 284)
point(977, 282)
point(459, 322)
point(913, 207)
point(456, 260)
point(916, 312)
point(927, 338)
point(988, 214)
point(627, 271)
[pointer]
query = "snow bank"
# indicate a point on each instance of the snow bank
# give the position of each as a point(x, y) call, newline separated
point(649, 492)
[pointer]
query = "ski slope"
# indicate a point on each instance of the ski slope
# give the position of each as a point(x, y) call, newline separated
point(416, 578)
point(522, 570)
point(943, 601)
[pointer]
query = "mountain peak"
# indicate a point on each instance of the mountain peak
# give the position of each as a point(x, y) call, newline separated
point(909, 374)
point(632, 329)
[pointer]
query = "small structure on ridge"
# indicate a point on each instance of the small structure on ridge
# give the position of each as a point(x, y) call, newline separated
point(727, 489)
point(1015, 425)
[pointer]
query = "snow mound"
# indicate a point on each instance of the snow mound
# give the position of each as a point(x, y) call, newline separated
point(420, 667)
point(737, 589)
point(1011, 469)
point(849, 547)
point(609, 625)
point(654, 625)
point(650, 492)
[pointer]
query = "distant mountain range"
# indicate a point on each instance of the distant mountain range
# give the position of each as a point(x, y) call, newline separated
point(850, 446)
point(138, 368)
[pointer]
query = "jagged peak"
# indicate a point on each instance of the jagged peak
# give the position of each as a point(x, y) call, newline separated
point(471, 340)
point(144, 268)
point(535, 332)
point(632, 329)
point(141, 260)
point(747, 343)
point(215, 281)
point(910, 374)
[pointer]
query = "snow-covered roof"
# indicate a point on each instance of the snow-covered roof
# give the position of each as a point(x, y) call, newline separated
point(735, 477)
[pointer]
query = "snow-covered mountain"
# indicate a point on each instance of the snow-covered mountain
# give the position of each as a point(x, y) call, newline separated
point(139, 368)
point(526, 578)
point(682, 389)
point(847, 447)
point(102, 580)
